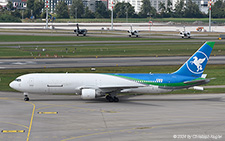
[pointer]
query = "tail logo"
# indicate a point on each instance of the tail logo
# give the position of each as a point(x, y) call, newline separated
point(197, 63)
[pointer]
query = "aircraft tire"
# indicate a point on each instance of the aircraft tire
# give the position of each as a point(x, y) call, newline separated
point(115, 99)
point(26, 99)
point(109, 98)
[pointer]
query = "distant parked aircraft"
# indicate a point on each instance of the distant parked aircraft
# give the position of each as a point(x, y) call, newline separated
point(93, 85)
point(80, 31)
point(185, 34)
point(132, 32)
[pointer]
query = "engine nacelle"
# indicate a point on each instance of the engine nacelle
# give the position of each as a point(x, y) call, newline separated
point(198, 88)
point(88, 94)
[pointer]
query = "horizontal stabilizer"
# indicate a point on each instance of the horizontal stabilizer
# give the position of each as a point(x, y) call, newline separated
point(202, 81)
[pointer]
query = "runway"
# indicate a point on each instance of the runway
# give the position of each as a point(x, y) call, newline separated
point(115, 35)
point(107, 26)
point(99, 62)
point(95, 42)
point(144, 117)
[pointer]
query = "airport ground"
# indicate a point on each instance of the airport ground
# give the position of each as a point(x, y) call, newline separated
point(136, 117)
point(143, 117)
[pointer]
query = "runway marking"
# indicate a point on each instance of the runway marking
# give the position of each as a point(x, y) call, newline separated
point(14, 124)
point(13, 131)
point(47, 112)
point(31, 120)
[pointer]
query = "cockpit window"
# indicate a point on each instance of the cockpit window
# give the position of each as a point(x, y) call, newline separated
point(18, 80)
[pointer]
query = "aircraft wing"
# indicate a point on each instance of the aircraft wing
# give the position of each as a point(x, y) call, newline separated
point(118, 87)
point(109, 88)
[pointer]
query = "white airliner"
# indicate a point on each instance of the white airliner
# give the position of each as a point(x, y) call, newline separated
point(185, 34)
point(93, 85)
point(132, 32)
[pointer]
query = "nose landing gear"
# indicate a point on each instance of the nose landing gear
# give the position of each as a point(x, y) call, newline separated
point(26, 97)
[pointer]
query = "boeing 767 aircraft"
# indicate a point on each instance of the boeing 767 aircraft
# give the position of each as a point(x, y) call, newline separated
point(93, 85)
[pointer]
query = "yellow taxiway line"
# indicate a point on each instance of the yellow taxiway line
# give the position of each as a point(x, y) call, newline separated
point(31, 120)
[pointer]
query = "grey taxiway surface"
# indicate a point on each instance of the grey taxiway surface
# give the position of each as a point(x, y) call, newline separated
point(113, 34)
point(144, 117)
point(99, 62)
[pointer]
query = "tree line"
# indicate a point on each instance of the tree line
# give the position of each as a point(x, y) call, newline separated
point(120, 10)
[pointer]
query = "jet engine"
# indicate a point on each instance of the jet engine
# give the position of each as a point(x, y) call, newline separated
point(90, 93)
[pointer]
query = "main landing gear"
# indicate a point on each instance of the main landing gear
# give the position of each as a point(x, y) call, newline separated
point(26, 97)
point(112, 98)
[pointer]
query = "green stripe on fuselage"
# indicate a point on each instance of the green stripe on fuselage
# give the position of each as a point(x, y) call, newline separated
point(180, 84)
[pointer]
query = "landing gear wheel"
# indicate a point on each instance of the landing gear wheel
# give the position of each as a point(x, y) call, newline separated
point(116, 99)
point(109, 98)
point(26, 99)
point(112, 99)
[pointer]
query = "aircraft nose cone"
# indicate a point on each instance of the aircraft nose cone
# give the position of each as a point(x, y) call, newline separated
point(12, 85)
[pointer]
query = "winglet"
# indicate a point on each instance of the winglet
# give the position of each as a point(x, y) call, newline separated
point(211, 44)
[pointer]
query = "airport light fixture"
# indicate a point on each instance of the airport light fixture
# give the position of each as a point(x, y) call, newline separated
point(46, 13)
point(210, 14)
point(112, 16)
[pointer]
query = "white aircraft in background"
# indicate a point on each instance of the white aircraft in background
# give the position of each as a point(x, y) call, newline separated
point(93, 85)
point(133, 32)
point(185, 34)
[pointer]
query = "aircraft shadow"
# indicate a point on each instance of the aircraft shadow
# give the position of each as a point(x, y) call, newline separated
point(129, 100)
